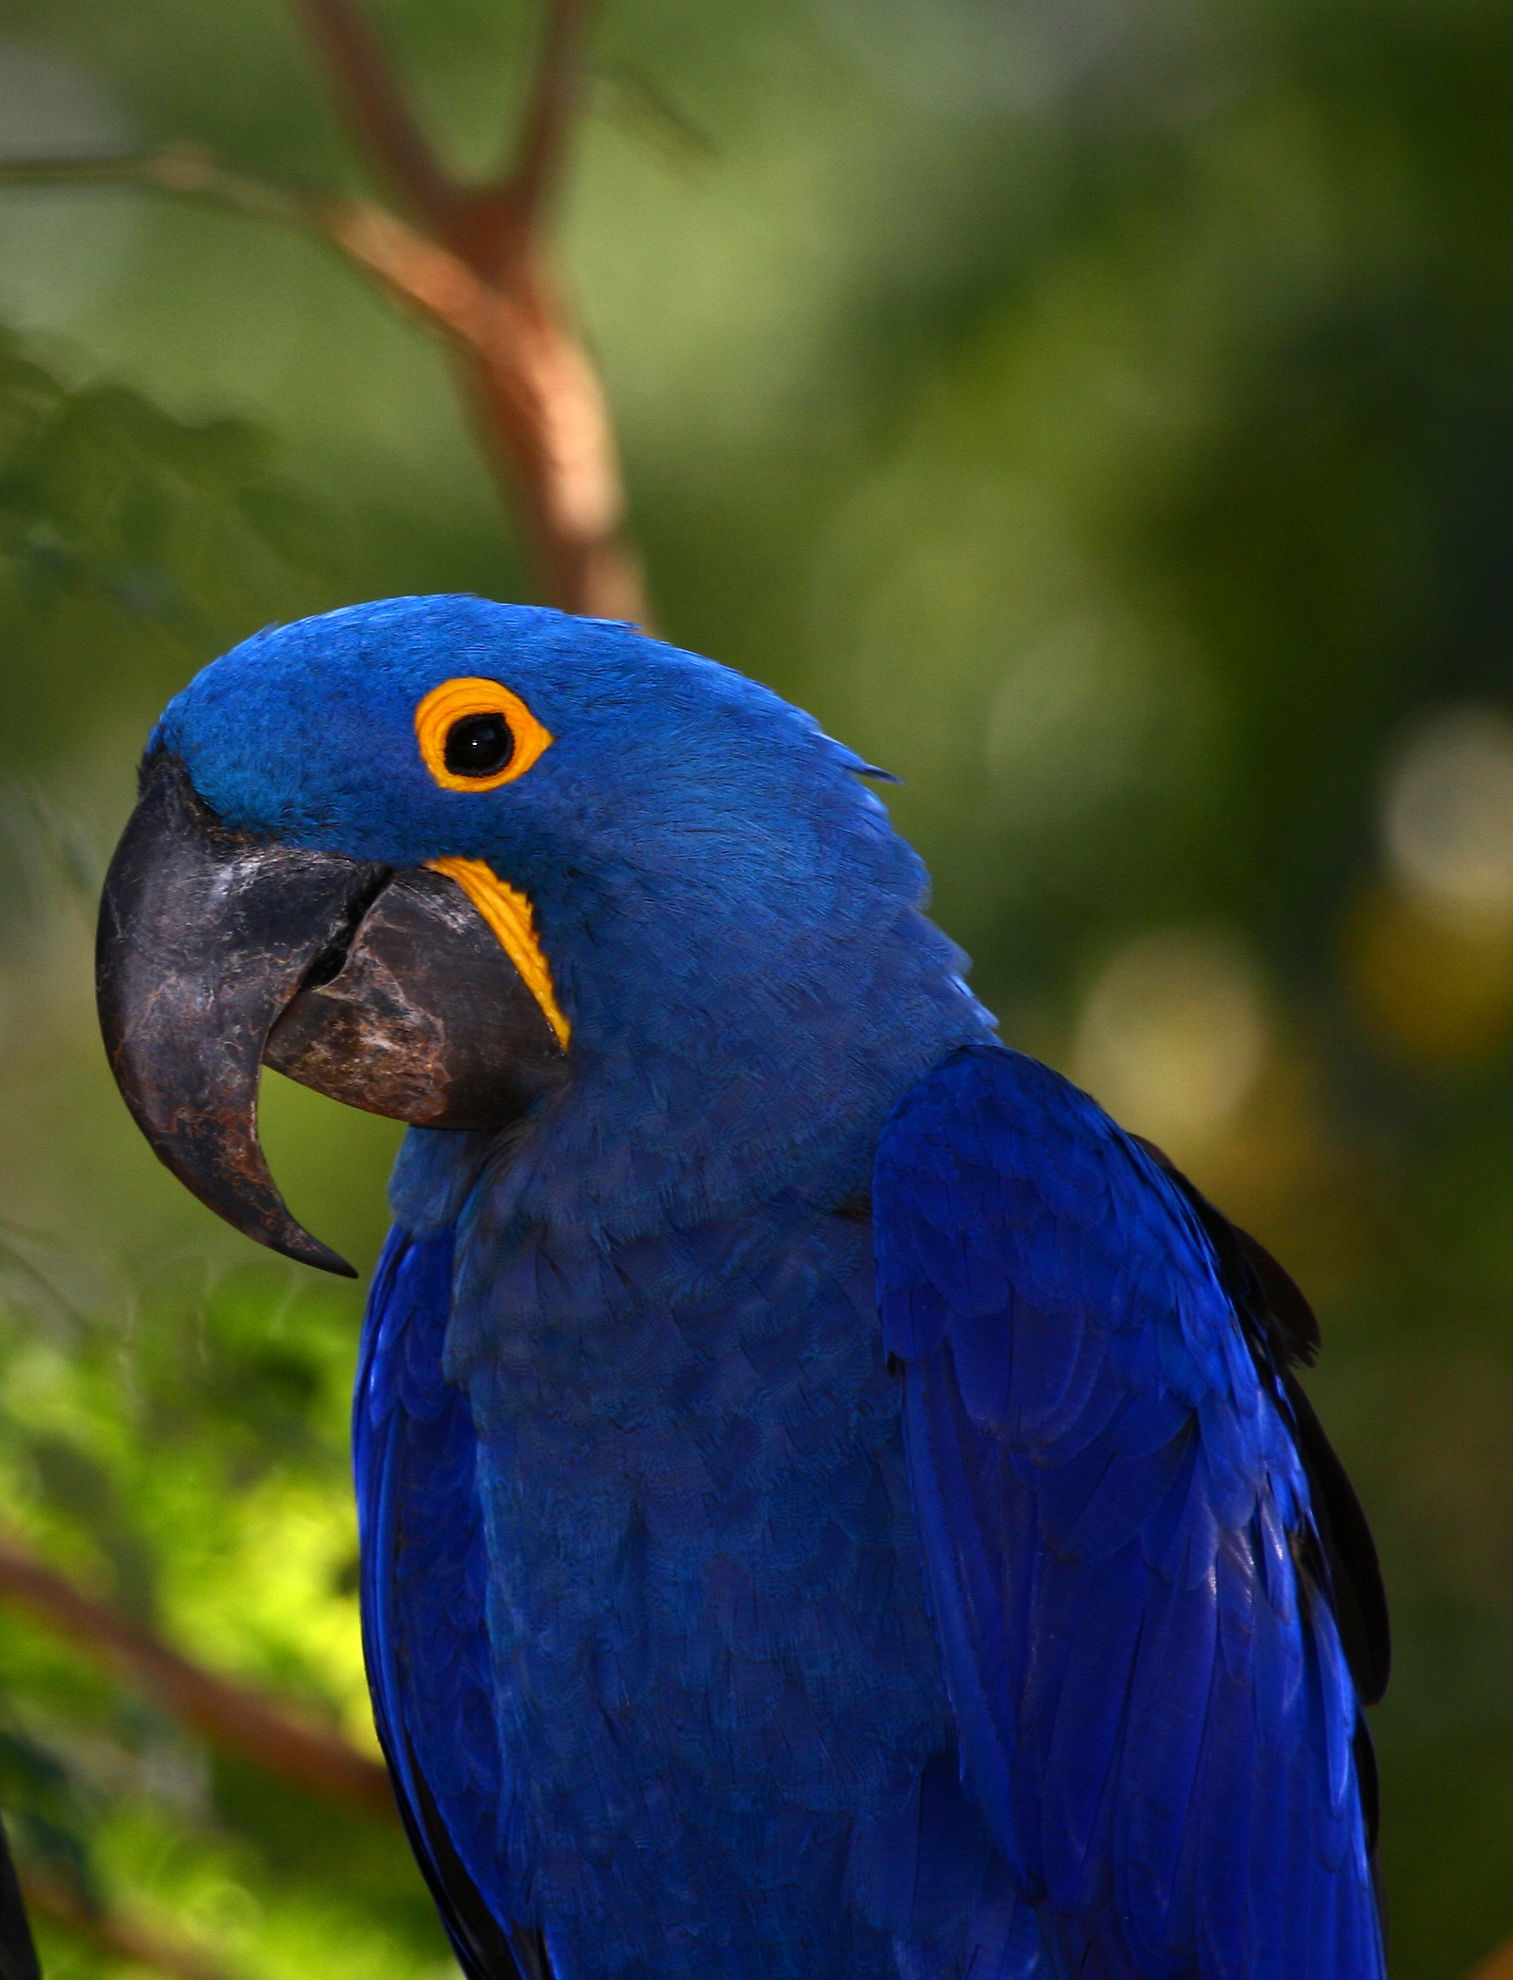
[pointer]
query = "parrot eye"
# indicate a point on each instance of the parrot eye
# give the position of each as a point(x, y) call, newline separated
point(475, 735)
point(478, 745)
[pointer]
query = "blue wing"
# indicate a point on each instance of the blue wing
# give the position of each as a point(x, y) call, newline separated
point(425, 1633)
point(1137, 1591)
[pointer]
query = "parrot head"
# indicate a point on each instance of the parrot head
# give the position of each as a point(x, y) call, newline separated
point(463, 863)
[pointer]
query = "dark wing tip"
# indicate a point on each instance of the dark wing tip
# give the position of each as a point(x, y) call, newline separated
point(486, 1950)
point(1281, 1327)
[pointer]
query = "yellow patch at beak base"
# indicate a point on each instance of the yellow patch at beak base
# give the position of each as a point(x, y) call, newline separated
point(509, 914)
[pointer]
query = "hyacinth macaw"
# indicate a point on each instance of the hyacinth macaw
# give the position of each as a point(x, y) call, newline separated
point(833, 1504)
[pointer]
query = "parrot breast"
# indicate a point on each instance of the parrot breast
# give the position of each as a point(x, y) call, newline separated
point(714, 1688)
point(711, 1652)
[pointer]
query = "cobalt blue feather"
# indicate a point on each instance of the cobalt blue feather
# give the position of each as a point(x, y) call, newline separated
point(833, 1506)
point(424, 1598)
point(721, 1742)
point(1157, 1713)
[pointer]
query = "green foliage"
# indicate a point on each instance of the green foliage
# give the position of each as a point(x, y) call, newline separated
point(122, 526)
point(104, 496)
point(1103, 416)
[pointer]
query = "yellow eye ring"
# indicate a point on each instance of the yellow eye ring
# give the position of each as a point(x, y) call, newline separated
point(472, 700)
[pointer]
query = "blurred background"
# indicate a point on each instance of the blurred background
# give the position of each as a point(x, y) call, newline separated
point(1098, 411)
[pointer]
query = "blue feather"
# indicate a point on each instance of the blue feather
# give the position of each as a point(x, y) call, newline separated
point(701, 1643)
point(424, 1577)
point(1156, 1712)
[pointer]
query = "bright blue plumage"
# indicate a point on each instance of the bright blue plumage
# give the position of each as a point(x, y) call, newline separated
point(716, 1624)
point(425, 1590)
point(1156, 1709)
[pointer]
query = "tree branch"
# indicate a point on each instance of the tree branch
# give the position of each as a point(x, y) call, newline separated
point(554, 96)
point(1497, 1965)
point(537, 405)
point(230, 1717)
point(363, 81)
point(425, 277)
point(534, 394)
point(179, 169)
point(476, 269)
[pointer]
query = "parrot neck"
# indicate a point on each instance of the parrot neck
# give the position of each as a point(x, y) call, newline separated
point(718, 1072)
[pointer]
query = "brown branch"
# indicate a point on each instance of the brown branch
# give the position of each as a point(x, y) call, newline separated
point(420, 274)
point(535, 395)
point(230, 1717)
point(363, 81)
point(553, 99)
point(424, 276)
point(1497, 1965)
point(537, 403)
point(538, 408)
point(120, 1935)
point(179, 169)
point(536, 388)
point(477, 271)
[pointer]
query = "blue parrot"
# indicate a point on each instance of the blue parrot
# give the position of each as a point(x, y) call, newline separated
point(834, 1506)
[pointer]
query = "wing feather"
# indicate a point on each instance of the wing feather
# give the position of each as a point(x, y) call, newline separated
point(1154, 1591)
point(424, 1591)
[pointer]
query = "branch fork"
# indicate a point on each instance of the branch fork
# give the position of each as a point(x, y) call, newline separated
point(472, 262)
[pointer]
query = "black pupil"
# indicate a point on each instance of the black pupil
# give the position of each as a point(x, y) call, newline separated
point(479, 745)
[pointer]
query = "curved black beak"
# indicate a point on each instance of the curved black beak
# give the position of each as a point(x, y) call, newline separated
point(218, 951)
